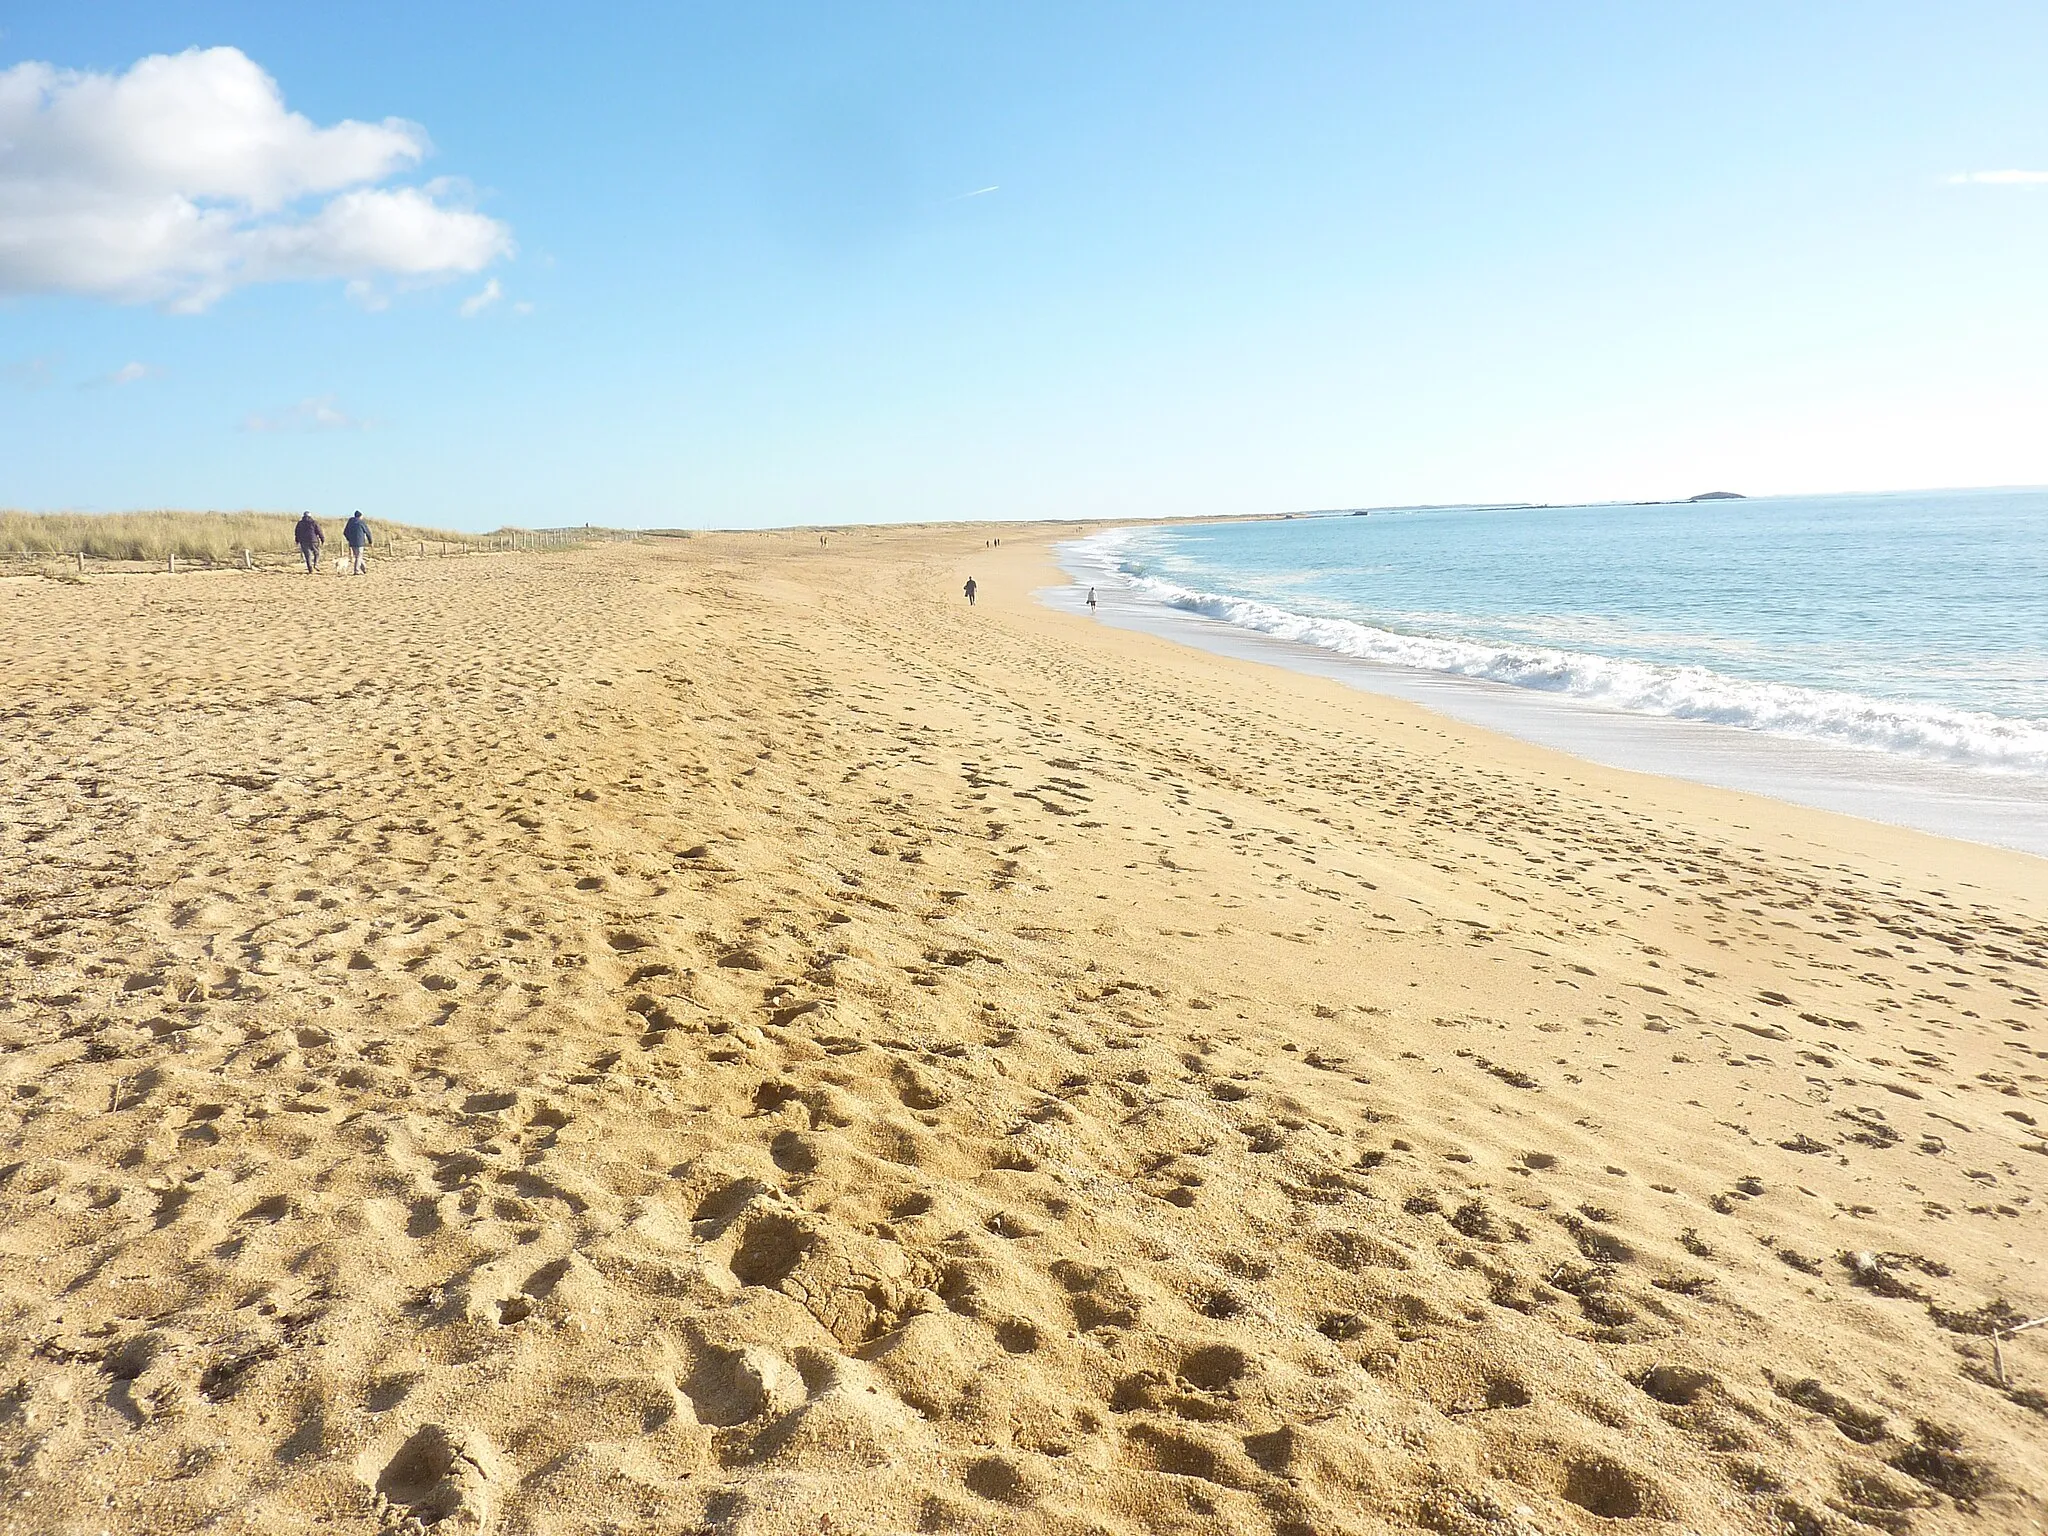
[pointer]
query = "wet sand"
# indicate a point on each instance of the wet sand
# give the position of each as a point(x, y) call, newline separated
point(720, 1035)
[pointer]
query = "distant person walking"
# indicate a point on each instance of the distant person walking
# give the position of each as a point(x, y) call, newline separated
point(356, 533)
point(1091, 599)
point(969, 590)
point(309, 538)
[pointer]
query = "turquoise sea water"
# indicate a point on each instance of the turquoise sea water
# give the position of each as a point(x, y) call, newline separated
point(1913, 625)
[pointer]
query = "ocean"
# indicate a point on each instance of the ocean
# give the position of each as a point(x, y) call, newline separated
point(1885, 655)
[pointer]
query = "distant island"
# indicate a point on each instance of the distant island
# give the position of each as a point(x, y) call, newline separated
point(1718, 496)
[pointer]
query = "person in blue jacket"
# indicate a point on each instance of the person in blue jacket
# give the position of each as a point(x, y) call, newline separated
point(357, 534)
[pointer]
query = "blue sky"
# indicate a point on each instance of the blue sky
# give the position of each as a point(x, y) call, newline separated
point(734, 266)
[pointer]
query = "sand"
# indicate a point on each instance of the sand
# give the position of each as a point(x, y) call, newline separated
point(719, 1035)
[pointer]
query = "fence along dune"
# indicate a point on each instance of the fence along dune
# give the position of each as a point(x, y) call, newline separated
point(218, 536)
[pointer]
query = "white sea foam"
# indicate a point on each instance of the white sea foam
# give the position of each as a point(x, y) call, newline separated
point(1924, 731)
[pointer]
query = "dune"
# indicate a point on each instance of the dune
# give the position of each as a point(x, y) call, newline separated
point(719, 1035)
point(33, 543)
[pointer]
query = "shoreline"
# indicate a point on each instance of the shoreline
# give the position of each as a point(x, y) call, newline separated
point(1995, 810)
point(723, 1035)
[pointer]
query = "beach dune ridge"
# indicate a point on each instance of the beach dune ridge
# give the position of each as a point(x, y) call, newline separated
point(215, 536)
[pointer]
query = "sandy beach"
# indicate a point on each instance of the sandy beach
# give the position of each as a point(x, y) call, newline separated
point(718, 1034)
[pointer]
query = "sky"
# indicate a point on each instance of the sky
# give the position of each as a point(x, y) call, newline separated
point(700, 266)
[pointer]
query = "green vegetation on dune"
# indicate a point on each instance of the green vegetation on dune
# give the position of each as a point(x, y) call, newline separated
point(188, 535)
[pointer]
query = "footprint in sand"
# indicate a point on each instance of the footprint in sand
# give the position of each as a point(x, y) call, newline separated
point(442, 1478)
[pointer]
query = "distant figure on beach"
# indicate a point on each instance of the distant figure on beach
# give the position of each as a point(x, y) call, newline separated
point(969, 590)
point(357, 533)
point(309, 538)
point(1091, 599)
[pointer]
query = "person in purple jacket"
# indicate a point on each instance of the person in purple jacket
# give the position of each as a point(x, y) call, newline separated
point(309, 538)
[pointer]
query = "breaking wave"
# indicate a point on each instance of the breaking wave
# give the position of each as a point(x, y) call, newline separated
point(1928, 732)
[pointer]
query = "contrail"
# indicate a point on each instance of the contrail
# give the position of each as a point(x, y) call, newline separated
point(978, 192)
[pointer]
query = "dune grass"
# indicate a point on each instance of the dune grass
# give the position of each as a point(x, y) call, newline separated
point(210, 536)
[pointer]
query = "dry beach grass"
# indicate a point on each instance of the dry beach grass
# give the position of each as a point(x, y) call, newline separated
point(718, 1035)
point(214, 536)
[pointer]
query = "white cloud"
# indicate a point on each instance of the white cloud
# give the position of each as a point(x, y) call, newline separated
point(317, 413)
point(31, 372)
point(186, 177)
point(1999, 178)
point(482, 299)
point(127, 373)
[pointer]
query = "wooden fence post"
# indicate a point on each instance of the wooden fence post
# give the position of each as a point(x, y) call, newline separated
point(81, 562)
